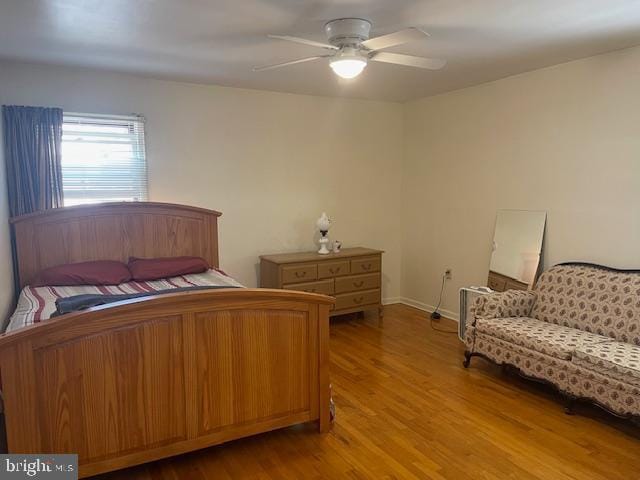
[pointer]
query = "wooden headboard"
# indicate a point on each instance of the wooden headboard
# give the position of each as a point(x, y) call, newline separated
point(111, 231)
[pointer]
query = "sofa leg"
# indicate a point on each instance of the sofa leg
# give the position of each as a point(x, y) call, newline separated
point(467, 359)
point(569, 403)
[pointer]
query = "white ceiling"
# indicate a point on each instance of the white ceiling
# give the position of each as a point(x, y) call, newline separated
point(218, 41)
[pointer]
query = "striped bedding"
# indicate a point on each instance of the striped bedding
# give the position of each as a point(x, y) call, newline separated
point(36, 304)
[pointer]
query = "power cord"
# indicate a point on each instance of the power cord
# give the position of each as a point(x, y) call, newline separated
point(435, 315)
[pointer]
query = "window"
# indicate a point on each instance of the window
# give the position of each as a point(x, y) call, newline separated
point(103, 159)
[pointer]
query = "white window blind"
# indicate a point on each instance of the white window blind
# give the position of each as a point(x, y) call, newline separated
point(103, 158)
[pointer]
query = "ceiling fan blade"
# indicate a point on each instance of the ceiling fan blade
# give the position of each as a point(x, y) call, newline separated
point(304, 41)
point(284, 64)
point(409, 60)
point(396, 38)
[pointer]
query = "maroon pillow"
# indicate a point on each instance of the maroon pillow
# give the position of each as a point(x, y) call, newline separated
point(99, 272)
point(156, 268)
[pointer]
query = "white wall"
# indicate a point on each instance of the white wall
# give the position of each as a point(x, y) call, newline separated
point(564, 139)
point(271, 162)
point(422, 180)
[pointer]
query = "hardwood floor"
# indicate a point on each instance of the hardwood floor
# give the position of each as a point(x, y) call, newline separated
point(407, 409)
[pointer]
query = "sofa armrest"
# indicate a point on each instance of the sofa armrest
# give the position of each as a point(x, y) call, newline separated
point(512, 303)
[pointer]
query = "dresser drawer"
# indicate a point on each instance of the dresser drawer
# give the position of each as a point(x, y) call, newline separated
point(354, 283)
point(496, 283)
point(322, 286)
point(356, 299)
point(299, 273)
point(333, 269)
point(515, 285)
point(365, 265)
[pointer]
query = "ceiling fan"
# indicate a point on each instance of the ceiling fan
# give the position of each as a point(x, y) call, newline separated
point(351, 48)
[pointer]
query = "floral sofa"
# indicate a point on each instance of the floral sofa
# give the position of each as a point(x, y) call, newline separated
point(579, 329)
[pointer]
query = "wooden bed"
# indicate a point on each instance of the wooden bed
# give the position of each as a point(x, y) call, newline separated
point(149, 378)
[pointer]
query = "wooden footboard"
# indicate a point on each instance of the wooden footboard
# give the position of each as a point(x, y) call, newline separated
point(150, 378)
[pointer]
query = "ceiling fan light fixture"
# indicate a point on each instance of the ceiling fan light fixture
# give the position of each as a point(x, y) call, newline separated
point(350, 48)
point(348, 67)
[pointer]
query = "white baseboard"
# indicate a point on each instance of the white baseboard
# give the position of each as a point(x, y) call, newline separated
point(421, 306)
point(391, 300)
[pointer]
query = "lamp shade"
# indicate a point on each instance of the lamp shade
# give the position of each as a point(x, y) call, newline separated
point(323, 223)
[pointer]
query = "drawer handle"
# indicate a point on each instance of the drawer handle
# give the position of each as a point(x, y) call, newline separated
point(366, 266)
point(358, 284)
point(301, 274)
point(332, 271)
point(358, 300)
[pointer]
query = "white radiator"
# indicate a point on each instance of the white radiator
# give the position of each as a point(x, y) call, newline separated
point(467, 297)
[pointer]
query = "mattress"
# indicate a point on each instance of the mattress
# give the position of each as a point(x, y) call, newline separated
point(37, 304)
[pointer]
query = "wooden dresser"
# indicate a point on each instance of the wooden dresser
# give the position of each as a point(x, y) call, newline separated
point(500, 283)
point(353, 276)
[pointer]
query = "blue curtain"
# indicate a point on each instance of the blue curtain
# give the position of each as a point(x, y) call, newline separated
point(32, 151)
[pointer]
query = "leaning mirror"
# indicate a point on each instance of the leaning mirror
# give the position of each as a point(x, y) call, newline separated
point(517, 248)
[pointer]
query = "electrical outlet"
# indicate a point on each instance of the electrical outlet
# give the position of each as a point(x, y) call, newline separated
point(448, 274)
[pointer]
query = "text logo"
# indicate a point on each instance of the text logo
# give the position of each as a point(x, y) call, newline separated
point(39, 466)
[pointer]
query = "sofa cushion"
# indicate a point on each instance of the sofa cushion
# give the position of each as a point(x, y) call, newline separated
point(548, 338)
point(615, 359)
point(590, 298)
